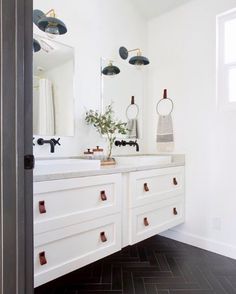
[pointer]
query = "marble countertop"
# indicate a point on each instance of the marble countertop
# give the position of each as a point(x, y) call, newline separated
point(177, 160)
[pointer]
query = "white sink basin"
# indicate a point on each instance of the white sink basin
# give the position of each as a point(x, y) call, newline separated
point(143, 160)
point(57, 166)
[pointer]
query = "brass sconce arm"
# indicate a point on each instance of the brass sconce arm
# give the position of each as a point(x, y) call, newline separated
point(137, 49)
point(51, 13)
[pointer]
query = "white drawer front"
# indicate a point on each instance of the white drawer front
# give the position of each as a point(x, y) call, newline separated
point(71, 248)
point(152, 219)
point(64, 202)
point(154, 185)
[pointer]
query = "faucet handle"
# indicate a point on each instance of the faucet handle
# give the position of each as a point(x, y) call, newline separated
point(132, 143)
point(56, 141)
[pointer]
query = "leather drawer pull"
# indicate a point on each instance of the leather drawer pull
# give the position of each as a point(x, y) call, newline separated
point(42, 258)
point(42, 208)
point(145, 221)
point(175, 212)
point(103, 237)
point(175, 182)
point(103, 195)
point(146, 189)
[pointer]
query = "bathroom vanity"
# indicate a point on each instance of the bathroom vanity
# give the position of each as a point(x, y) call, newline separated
point(80, 217)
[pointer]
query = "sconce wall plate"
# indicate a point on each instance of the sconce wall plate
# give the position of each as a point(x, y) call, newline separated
point(37, 15)
point(36, 46)
point(124, 53)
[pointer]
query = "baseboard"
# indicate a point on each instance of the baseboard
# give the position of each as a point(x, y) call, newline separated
point(207, 244)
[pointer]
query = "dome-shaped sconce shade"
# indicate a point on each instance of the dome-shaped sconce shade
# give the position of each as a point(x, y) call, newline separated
point(139, 60)
point(52, 25)
point(49, 24)
point(36, 46)
point(111, 70)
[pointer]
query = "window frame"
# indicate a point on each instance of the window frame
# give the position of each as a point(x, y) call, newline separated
point(223, 69)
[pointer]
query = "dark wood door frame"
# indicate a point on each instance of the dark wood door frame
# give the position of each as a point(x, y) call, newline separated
point(16, 183)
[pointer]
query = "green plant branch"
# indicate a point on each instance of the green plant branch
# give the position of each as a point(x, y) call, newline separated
point(106, 125)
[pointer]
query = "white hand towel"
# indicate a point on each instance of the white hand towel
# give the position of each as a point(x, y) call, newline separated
point(132, 127)
point(165, 135)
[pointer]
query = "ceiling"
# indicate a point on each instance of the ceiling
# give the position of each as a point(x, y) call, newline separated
point(153, 8)
point(51, 55)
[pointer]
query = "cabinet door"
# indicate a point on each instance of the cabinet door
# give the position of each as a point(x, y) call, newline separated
point(64, 202)
point(61, 251)
point(150, 186)
point(149, 220)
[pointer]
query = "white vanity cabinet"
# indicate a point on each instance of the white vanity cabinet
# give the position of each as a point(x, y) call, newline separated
point(80, 220)
point(64, 202)
point(156, 202)
point(76, 221)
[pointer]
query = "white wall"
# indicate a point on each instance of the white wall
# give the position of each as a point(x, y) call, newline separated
point(182, 49)
point(95, 28)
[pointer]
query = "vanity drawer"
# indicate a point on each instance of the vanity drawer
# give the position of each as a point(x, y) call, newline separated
point(150, 220)
point(65, 202)
point(149, 186)
point(61, 251)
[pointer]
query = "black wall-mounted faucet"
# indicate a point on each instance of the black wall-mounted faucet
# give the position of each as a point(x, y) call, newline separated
point(125, 143)
point(53, 142)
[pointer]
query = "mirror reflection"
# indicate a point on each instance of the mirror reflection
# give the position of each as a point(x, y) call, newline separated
point(53, 96)
point(125, 91)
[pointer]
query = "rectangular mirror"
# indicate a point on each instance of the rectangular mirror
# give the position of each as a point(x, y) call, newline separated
point(119, 89)
point(53, 95)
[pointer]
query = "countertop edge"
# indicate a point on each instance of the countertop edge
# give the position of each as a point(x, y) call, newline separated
point(104, 171)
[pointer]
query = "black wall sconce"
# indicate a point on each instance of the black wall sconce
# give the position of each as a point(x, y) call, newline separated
point(36, 46)
point(48, 23)
point(111, 70)
point(137, 60)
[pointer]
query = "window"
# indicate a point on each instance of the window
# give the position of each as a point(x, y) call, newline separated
point(227, 60)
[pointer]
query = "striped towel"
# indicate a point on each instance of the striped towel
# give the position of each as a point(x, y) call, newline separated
point(165, 134)
point(132, 127)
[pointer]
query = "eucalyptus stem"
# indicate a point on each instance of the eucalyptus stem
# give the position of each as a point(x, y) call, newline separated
point(106, 125)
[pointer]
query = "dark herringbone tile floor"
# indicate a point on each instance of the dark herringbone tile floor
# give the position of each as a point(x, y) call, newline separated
point(155, 266)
